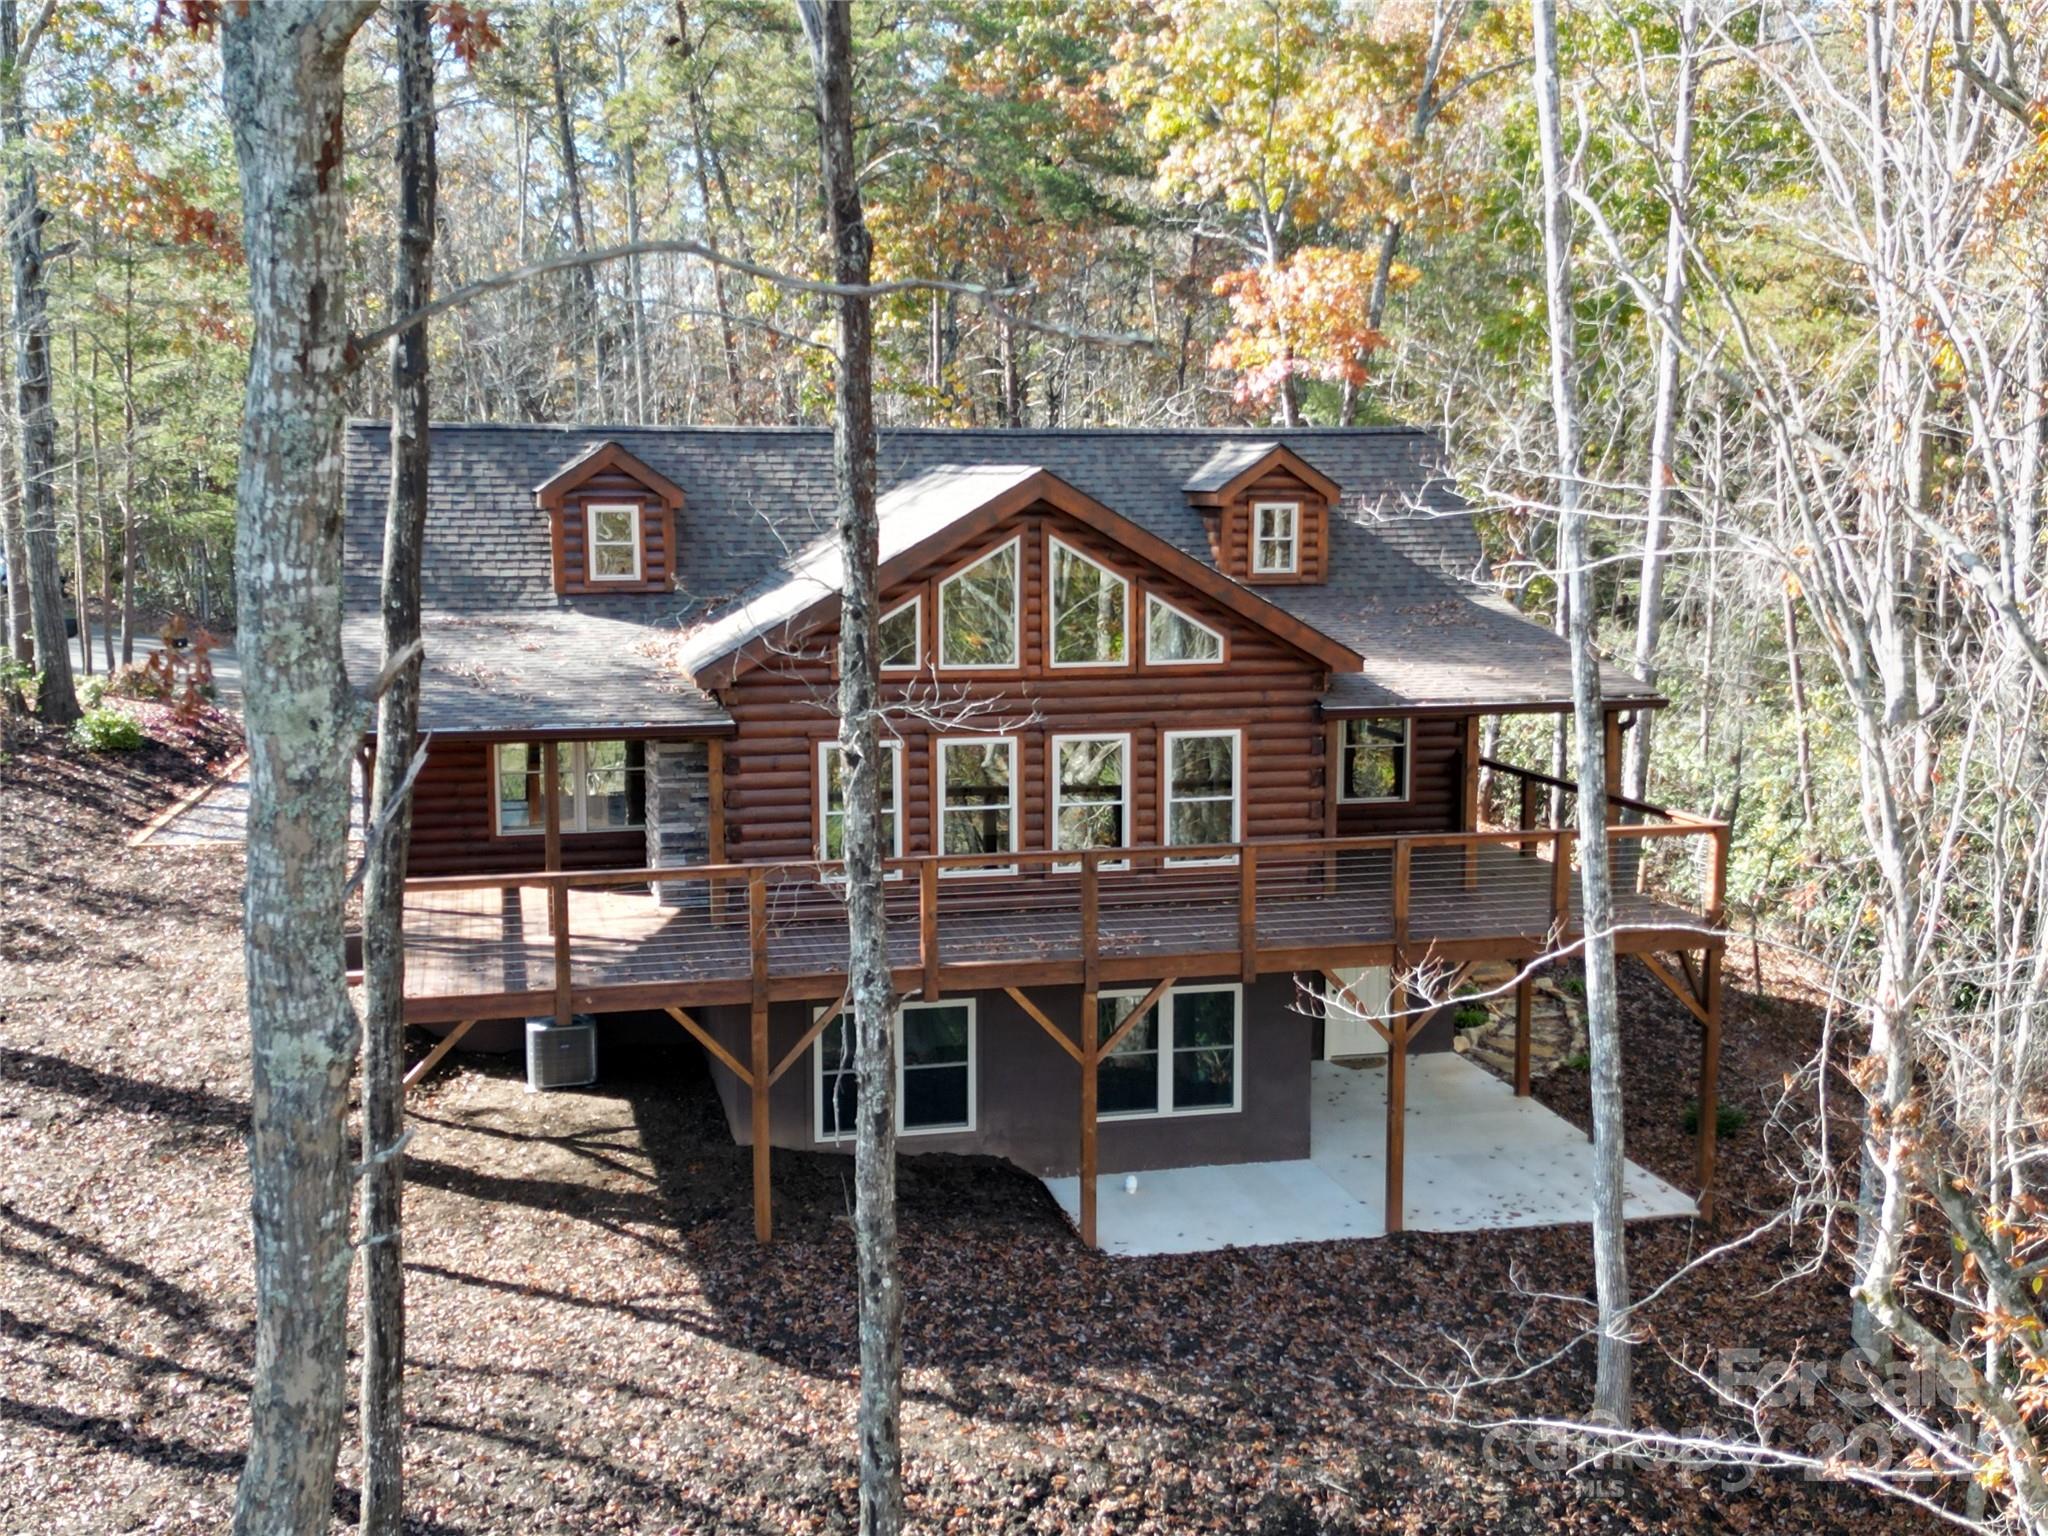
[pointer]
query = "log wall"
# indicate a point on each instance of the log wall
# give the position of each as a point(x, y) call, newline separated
point(453, 832)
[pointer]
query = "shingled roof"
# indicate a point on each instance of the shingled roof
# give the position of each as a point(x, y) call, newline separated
point(1402, 548)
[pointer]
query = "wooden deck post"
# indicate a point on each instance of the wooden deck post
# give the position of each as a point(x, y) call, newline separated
point(558, 923)
point(1091, 927)
point(1710, 1075)
point(757, 950)
point(551, 813)
point(1525, 1000)
point(1561, 881)
point(1397, 1097)
point(1091, 1058)
point(1469, 817)
point(1248, 914)
point(928, 927)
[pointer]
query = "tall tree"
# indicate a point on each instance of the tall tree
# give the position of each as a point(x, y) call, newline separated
point(828, 26)
point(56, 698)
point(1596, 891)
point(382, 1405)
point(1635, 781)
point(281, 83)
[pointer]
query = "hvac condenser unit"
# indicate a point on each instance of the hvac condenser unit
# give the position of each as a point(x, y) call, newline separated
point(561, 1055)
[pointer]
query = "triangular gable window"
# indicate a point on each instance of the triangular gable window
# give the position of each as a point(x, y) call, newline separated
point(978, 612)
point(1174, 639)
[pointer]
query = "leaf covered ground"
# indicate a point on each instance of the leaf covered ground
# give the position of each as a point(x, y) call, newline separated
point(597, 1344)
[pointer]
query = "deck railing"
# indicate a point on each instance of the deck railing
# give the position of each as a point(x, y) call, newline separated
point(736, 931)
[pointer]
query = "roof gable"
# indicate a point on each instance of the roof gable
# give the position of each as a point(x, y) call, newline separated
point(1236, 465)
point(598, 459)
point(931, 514)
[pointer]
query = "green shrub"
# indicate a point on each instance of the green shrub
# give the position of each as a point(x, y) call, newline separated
point(1572, 986)
point(1728, 1118)
point(93, 691)
point(108, 730)
point(1471, 1016)
point(1578, 1061)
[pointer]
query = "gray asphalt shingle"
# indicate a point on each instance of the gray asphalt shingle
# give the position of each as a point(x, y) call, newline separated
point(507, 653)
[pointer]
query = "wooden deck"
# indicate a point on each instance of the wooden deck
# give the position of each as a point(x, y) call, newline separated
point(483, 947)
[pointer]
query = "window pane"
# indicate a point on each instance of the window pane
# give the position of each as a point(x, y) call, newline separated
point(835, 1045)
point(1171, 636)
point(977, 797)
point(1199, 821)
point(1110, 1013)
point(934, 1036)
point(934, 1097)
point(1204, 1019)
point(614, 784)
point(1202, 1079)
point(1087, 610)
point(1201, 765)
point(1128, 1084)
point(842, 1105)
point(1091, 794)
point(1376, 759)
point(978, 613)
point(897, 637)
point(832, 785)
point(518, 768)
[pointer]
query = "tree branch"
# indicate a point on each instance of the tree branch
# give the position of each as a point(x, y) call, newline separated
point(362, 346)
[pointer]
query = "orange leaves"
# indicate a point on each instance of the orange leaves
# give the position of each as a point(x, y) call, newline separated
point(468, 30)
point(1305, 317)
point(109, 188)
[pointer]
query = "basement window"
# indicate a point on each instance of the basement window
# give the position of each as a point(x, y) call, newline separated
point(1375, 766)
point(603, 787)
point(1181, 1059)
point(934, 1072)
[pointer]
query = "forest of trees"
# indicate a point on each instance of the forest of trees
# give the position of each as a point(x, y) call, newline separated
point(1744, 338)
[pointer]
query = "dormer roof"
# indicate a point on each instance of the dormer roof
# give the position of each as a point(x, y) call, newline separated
point(1236, 465)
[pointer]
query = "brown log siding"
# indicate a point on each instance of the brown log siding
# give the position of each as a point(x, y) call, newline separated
point(453, 832)
point(784, 709)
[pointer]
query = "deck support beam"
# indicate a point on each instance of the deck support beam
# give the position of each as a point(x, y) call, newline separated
point(1525, 1002)
point(1710, 1077)
point(1397, 1104)
point(433, 1057)
point(757, 949)
point(1091, 1058)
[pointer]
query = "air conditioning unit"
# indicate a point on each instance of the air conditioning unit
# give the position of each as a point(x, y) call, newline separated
point(561, 1055)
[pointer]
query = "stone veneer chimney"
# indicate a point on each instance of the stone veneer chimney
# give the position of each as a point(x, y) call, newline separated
point(679, 815)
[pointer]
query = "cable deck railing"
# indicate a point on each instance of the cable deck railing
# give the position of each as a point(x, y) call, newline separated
point(561, 942)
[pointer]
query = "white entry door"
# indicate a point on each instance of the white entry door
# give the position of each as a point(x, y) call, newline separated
point(1346, 1032)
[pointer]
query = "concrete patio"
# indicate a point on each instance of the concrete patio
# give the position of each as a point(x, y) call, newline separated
point(1478, 1158)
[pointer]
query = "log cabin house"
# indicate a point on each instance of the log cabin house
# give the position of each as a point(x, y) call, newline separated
point(1184, 782)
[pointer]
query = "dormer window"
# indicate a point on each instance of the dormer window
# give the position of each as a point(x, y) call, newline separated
point(1276, 538)
point(978, 612)
point(614, 542)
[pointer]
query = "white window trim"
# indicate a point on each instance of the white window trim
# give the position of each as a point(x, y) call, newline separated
point(1016, 662)
point(1293, 511)
point(1164, 1010)
point(1166, 799)
point(939, 746)
point(915, 603)
point(1407, 762)
point(895, 751)
point(1054, 542)
point(590, 537)
point(818, 1133)
point(575, 804)
point(1053, 774)
point(1153, 599)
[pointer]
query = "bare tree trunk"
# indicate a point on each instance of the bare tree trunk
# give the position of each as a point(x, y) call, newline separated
point(828, 26)
point(99, 502)
point(630, 169)
point(1635, 778)
point(572, 177)
point(81, 588)
point(382, 1408)
point(56, 698)
point(1596, 892)
point(1796, 675)
point(282, 88)
point(128, 457)
point(693, 101)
